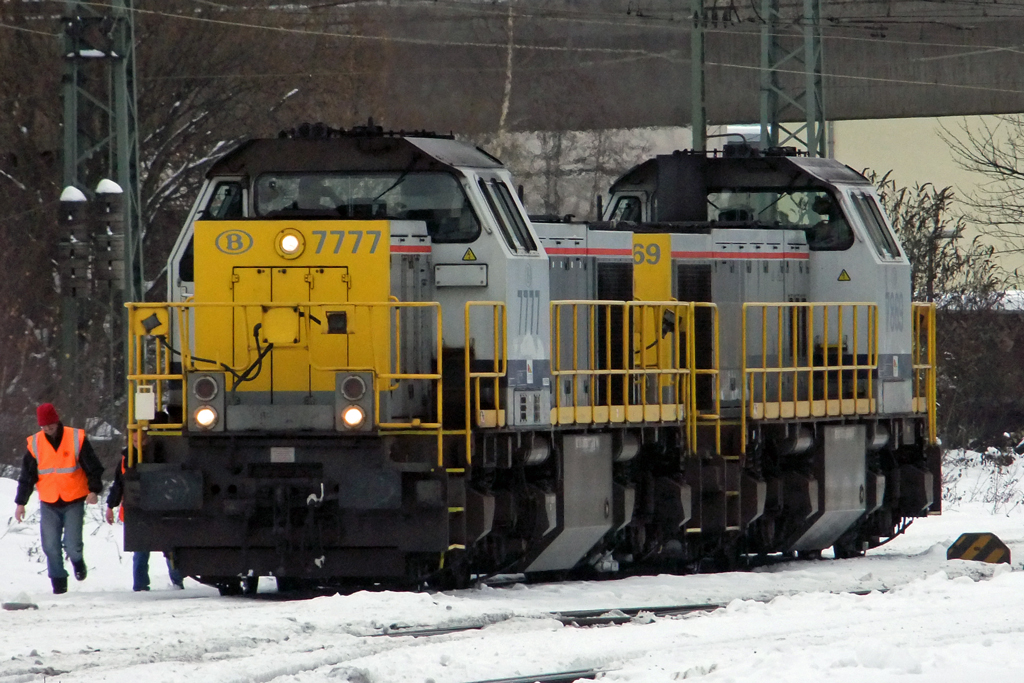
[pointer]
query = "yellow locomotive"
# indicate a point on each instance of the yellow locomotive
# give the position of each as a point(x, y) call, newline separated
point(378, 368)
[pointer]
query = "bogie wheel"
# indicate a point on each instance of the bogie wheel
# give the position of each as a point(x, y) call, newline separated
point(229, 586)
point(287, 584)
point(250, 585)
point(455, 577)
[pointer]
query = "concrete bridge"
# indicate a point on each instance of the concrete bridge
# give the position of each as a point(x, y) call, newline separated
point(583, 64)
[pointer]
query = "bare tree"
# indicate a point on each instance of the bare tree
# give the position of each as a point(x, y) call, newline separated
point(562, 172)
point(944, 269)
point(207, 84)
point(994, 149)
point(978, 347)
point(207, 76)
point(29, 189)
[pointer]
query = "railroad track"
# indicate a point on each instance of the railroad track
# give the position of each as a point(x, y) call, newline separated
point(558, 677)
point(612, 617)
point(582, 618)
point(578, 618)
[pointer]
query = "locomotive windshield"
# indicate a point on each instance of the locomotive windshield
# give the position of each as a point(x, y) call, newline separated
point(435, 198)
point(815, 211)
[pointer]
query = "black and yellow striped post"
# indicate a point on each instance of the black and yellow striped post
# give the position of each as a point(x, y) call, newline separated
point(980, 548)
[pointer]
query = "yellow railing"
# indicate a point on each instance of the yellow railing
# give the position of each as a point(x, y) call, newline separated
point(499, 368)
point(150, 352)
point(809, 360)
point(656, 364)
point(923, 357)
point(712, 372)
point(149, 323)
point(655, 377)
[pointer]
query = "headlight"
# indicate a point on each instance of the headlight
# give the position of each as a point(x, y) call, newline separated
point(290, 243)
point(353, 388)
point(205, 389)
point(205, 417)
point(353, 416)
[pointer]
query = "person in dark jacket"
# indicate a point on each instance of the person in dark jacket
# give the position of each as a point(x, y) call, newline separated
point(61, 465)
point(115, 498)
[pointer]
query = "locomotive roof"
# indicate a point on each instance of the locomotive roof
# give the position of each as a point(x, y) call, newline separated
point(681, 182)
point(754, 170)
point(380, 152)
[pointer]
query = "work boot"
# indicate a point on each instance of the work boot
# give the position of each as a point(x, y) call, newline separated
point(59, 586)
point(80, 570)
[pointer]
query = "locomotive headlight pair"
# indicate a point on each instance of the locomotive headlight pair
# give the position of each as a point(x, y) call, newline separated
point(207, 414)
point(205, 389)
point(353, 388)
point(354, 398)
point(290, 243)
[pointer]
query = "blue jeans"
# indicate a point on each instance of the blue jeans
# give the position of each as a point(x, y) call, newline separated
point(140, 572)
point(61, 526)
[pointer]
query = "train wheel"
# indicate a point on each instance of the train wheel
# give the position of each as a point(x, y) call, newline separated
point(250, 585)
point(287, 584)
point(847, 546)
point(456, 577)
point(229, 586)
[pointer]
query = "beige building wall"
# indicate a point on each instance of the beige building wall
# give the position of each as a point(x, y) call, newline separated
point(914, 151)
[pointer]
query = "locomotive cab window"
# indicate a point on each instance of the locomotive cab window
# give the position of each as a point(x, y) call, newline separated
point(871, 216)
point(225, 202)
point(508, 216)
point(437, 199)
point(510, 240)
point(627, 209)
point(816, 212)
point(186, 265)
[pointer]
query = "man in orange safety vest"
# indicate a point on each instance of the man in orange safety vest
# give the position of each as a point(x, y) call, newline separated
point(62, 466)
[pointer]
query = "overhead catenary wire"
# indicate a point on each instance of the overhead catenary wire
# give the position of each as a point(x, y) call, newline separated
point(625, 54)
point(681, 25)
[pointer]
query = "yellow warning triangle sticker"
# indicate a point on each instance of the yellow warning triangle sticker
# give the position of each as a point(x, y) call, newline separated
point(470, 256)
point(844, 276)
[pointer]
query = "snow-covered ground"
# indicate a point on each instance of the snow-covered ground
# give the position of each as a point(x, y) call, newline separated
point(938, 621)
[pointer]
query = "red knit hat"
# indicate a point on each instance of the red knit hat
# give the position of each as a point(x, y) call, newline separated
point(46, 414)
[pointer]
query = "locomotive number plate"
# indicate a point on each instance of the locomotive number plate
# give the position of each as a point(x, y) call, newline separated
point(351, 240)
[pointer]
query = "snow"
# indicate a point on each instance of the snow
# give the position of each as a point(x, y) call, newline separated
point(91, 53)
point(107, 186)
point(902, 613)
point(72, 194)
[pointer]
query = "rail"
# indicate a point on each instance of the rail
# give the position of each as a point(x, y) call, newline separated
point(923, 360)
point(810, 359)
point(151, 348)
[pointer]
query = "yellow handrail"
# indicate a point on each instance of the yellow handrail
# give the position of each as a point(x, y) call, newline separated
point(389, 373)
point(499, 368)
point(802, 343)
point(657, 369)
point(923, 358)
point(713, 372)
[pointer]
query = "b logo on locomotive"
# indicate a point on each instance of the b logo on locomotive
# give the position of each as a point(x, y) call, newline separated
point(234, 242)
